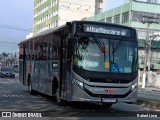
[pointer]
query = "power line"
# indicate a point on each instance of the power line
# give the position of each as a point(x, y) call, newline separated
point(8, 42)
point(78, 4)
point(10, 26)
point(81, 11)
point(14, 28)
point(9, 45)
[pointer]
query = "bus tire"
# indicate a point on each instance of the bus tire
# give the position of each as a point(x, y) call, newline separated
point(30, 90)
point(54, 87)
point(59, 100)
point(107, 105)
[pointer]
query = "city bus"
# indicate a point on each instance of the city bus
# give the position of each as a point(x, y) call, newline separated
point(84, 61)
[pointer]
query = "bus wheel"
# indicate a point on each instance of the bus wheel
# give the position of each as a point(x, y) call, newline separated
point(59, 99)
point(107, 105)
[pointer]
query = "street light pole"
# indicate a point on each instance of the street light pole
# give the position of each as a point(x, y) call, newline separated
point(149, 56)
point(145, 57)
point(149, 61)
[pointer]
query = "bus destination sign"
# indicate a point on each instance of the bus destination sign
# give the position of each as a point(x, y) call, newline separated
point(106, 30)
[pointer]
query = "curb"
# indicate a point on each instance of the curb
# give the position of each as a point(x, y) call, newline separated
point(149, 103)
point(150, 89)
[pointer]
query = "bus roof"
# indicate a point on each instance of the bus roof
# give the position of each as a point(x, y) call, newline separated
point(44, 33)
point(65, 25)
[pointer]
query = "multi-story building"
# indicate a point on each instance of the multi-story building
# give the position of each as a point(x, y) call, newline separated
point(52, 13)
point(133, 14)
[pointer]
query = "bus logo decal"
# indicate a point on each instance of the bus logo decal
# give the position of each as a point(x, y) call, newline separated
point(110, 91)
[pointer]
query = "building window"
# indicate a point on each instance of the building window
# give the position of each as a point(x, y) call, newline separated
point(125, 17)
point(109, 20)
point(158, 17)
point(140, 16)
point(152, 15)
point(99, 1)
point(117, 19)
point(99, 10)
point(145, 14)
point(142, 34)
point(137, 16)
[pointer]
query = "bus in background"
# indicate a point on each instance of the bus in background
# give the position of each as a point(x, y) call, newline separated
point(82, 61)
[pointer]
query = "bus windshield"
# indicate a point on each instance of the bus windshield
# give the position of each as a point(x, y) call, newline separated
point(105, 55)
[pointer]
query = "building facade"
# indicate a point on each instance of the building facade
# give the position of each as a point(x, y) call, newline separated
point(52, 13)
point(133, 14)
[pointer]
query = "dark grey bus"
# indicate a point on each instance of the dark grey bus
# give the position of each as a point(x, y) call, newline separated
point(82, 61)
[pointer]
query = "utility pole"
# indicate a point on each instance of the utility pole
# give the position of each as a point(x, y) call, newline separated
point(147, 49)
point(149, 57)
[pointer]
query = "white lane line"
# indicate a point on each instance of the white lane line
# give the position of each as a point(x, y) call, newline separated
point(11, 95)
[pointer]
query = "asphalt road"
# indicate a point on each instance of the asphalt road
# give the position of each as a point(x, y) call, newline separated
point(14, 97)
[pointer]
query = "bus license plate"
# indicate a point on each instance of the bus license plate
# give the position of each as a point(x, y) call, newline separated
point(108, 100)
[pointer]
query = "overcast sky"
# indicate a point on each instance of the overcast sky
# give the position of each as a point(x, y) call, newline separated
point(19, 14)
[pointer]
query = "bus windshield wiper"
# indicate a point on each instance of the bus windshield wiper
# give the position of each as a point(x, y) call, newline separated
point(116, 47)
point(98, 43)
point(100, 46)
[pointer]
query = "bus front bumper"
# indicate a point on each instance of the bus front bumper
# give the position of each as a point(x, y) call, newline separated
point(82, 95)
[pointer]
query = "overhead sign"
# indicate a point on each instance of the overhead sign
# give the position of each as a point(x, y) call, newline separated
point(106, 30)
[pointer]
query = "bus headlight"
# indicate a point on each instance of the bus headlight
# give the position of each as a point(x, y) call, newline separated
point(134, 86)
point(79, 83)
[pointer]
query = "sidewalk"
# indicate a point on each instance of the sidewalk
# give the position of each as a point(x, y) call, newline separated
point(149, 97)
point(149, 88)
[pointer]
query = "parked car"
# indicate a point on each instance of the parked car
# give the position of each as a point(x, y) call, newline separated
point(7, 72)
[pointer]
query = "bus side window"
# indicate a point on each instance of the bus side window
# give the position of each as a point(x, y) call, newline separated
point(43, 51)
point(21, 51)
point(65, 46)
point(36, 50)
point(70, 48)
point(54, 53)
point(27, 50)
point(30, 56)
